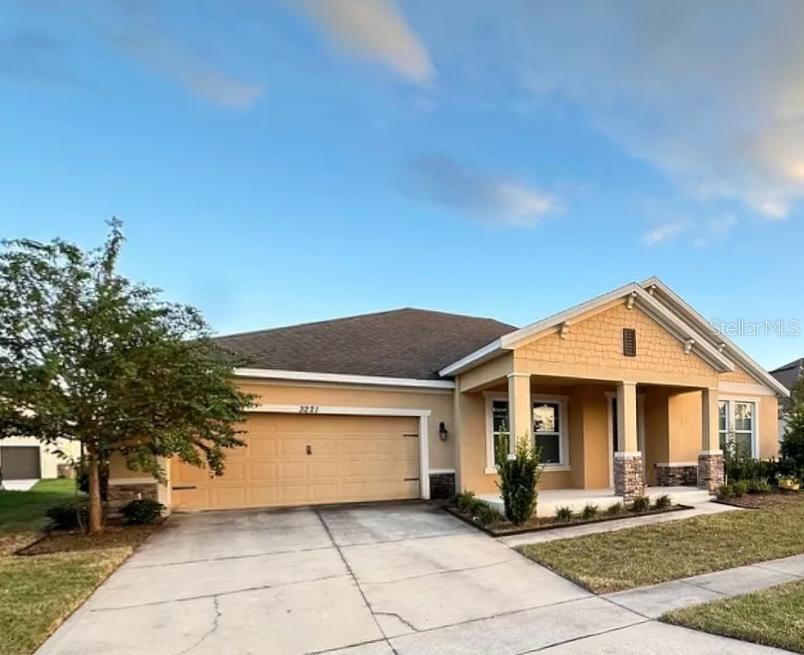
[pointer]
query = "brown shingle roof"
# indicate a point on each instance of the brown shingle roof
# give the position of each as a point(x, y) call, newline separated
point(403, 343)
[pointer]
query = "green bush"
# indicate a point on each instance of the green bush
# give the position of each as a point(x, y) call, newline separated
point(464, 502)
point(69, 515)
point(725, 492)
point(563, 514)
point(518, 477)
point(590, 511)
point(740, 488)
point(142, 511)
point(792, 445)
point(615, 509)
point(640, 504)
point(486, 515)
point(759, 486)
point(662, 502)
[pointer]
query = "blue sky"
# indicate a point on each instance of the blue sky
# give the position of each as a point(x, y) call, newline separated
point(279, 162)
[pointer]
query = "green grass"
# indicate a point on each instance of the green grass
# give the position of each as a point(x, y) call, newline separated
point(774, 617)
point(38, 591)
point(634, 557)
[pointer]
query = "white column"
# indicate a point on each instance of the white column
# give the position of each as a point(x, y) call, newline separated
point(520, 410)
point(627, 425)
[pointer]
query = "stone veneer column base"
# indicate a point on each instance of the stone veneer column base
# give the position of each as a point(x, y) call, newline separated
point(711, 471)
point(629, 475)
point(124, 492)
point(676, 475)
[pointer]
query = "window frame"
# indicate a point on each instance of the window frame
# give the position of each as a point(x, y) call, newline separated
point(535, 398)
point(731, 401)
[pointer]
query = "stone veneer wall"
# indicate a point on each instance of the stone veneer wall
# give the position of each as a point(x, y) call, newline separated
point(711, 471)
point(442, 486)
point(120, 494)
point(629, 477)
point(668, 475)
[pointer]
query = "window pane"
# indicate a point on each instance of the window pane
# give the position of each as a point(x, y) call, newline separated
point(499, 416)
point(723, 436)
point(545, 417)
point(501, 440)
point(548, 445)
point(721, 415)
point(743, 416)
point(743, 444)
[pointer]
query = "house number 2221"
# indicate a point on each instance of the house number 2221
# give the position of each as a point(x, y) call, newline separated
point(308, 409)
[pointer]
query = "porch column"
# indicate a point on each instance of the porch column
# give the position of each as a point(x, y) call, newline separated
point(519, 406)
point(711, 466)
point(629, 475)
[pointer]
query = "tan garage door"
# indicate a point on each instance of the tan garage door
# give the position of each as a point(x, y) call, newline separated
point(292, 459)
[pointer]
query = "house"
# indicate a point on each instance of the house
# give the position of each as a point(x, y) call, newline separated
point(787, 375)
point(25, 458)
point(629, 389)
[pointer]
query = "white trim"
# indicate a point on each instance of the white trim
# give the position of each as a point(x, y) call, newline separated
point(673, 465)
point(277, 374)
point(633, 292)
point(423, 414)
point(116, 482)
point(717, 337)
point(743, 388)
point(711, 452)
point(628, 454)
point(441, 471)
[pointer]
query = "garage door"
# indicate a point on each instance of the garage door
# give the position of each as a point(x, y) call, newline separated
point(292, 459)
point(20, 462)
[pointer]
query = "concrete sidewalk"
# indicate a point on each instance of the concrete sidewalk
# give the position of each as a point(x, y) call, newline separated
point(652, 602)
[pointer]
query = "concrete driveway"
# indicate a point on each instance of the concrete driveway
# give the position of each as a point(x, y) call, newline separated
point(371, 580)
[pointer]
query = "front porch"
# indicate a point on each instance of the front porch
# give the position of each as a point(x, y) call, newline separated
point(576, 499)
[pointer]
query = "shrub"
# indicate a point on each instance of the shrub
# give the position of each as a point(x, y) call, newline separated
point(662, 502)
point(725, 492)
point(640, 504)
point(589, 511)
point(615, 509)
point(563, 514)
point(758, 486)
point(518, 477)
point(485, 514)
point(68, 516)
point(792, 445)
point(142, 511)
point(464, 502)
point(740, 488)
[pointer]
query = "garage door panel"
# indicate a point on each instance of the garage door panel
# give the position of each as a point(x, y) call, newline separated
point(353, 458)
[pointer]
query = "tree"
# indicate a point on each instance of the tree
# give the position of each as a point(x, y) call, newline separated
point(792, 445)
point(88, 355)
point(519, 474)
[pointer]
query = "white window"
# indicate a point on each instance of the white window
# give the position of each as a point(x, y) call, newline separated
point(548, 431)
point(737, 420)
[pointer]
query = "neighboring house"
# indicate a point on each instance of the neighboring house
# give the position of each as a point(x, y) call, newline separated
point(25, 458)
point(787, 375)
point(628, 389)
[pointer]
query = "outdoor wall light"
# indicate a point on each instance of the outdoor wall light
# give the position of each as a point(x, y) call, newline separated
point(443, 433)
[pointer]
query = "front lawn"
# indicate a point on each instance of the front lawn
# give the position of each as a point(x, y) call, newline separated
point(774, 617)
point(40, 589)
point(646, 555)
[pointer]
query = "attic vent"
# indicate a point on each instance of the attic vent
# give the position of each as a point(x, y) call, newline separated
point(629, 342)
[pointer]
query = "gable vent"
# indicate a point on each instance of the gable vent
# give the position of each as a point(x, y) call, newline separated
point(629, 342)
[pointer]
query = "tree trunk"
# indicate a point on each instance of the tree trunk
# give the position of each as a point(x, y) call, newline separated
point(95, 506)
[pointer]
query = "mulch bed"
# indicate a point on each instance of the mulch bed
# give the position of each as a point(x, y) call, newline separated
point(549, 523)
point(762, 501)
point(63, 541)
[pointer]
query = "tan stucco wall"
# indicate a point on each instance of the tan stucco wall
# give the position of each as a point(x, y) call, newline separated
point(487, 373)
point(593, 349)
point(737, 375)
point(656, 448)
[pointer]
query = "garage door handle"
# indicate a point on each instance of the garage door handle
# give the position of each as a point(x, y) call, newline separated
point(181, 487)
point(309, 449)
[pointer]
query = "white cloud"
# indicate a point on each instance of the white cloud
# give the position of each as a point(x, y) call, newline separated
point(377, 30)
point(487, 197)
point(710, 93)
point(663, 233)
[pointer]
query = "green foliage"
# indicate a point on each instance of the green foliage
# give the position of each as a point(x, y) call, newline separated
point(792, 445)
point(590, 511)
point(615, 509)
point(640, 504)
point(725, 492)
point(662, 502)
point(563, 514)
point(486, 515)
point(759, 486)
point(740, 488)
point(518, 477)
point(87, 355)
point(466, 503)
point(69, 515)
point(744, 467)
point(142, 511)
